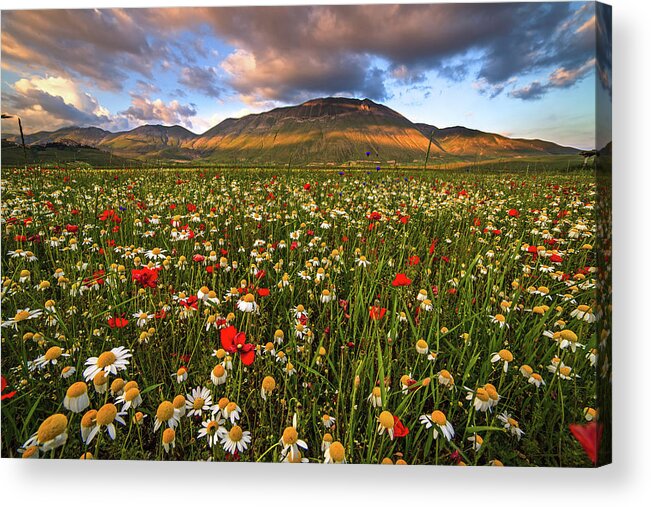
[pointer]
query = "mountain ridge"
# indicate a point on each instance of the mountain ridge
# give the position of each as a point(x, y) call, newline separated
point(321, 130)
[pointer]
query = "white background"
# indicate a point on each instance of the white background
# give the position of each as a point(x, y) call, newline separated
point(626, 482)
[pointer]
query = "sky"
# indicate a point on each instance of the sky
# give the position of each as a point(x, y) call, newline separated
point(521, 70)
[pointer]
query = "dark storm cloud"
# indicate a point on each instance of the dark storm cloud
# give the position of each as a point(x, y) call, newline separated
point(604, 25)
point(203, 79)
point(101, 45)
point(289, 53)
point(533, 91)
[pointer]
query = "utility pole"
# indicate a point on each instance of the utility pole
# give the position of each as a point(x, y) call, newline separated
point(20, 127)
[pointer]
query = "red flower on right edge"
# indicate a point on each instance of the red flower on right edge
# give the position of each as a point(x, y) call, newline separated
point(589, 436)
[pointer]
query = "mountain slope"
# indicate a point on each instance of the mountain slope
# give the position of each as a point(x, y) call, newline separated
point(152, 141)
point(465, 142)
point(320, 130)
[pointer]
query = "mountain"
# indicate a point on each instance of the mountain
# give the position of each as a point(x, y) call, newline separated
point(465, 142)
point(88, 136)
point(152, 141)
point(319, 131)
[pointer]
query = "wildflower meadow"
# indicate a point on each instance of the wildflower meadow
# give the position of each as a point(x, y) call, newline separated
point(299, 316)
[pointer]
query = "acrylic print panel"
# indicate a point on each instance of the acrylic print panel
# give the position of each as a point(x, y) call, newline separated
point(310, 234)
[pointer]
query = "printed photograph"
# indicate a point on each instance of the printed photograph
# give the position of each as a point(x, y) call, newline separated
point(352, 234)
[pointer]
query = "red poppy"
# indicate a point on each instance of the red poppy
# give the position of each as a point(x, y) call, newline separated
point(374, 216)
point(117, 322)
point(413, 260)
point(191, 208)
point(6, 396)
point(307, 186)
point(399, 429)
point(589, 436)
point(97, 278)
point(235, 342)
point(146, 277)
point(514, 213)
point(72, 228)
point(432, 246)
point(401, 280)
point(189, 302)
point(376, 313)
point(556, 258)
point(263, 292)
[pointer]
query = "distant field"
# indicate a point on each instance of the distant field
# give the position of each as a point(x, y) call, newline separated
point(440, 317)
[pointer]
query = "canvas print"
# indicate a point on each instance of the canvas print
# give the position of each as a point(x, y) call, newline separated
point(358, 234)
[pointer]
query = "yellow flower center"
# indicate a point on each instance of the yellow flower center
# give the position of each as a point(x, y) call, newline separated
point(223, 402)
point(249, 298)
point(290, 435)
point(337, 451)
point(21, 315)
point(51, 428)
point(106, 414)
point(204, 290)
point(268, 384)
point(132, 394)
point(168, 436)
point(117, 385)
point(179, 401)
point(526, 369)
point(386, 419)
point(212, 427)
point(198, 403)
point(377, 392)
point(568, 335)
point(155, 251)
point(235, 434)
point(297, 457)
point(300, 308)
point(106, 359)
point(53, 353)
point(77, 389)
point(583, 308)
point(513, 422)
point(421, 344)
point(482, 394)
point(500, 318)
point(100, 379)
point(165, 411)
point(231, 407)
point(492, 392)
point(327, 437)
point(438, 417)
point(30, 451)
point(89, 418)
point(565, 370)
point(505, 355)
point(129, 385)
point(218, 371)
point(536, 376)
